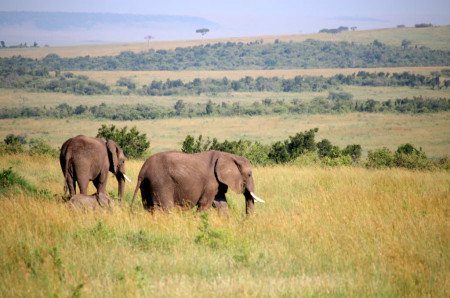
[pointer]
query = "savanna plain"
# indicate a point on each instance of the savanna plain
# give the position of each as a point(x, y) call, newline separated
point(323, 231)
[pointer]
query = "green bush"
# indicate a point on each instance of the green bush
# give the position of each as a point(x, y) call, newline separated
point(380, 158)
point(133, 143)
point(343, 160)
point(39, 147)
point(12, 144)
point(13, 182)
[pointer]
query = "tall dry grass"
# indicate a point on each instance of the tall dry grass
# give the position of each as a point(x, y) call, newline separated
point(322, 232)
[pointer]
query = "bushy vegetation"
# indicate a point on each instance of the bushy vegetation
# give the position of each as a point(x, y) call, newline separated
point(133, 143)
point(302, 149)
point(334, 104)
point(254, 55)
point(14, 144)
point(42, 81)
point(12, 182)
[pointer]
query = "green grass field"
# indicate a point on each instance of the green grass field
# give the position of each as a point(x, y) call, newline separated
point(322, 232)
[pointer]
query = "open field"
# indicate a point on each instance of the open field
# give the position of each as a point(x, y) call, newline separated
point(146, 77)
point(371, 131)
point(434, 37)
point(322, 232)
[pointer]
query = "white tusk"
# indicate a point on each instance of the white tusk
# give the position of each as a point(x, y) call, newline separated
point(256, 198)
point(129, 180)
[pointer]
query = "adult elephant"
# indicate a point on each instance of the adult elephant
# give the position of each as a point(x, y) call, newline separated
point(85, 159)
point(173, 178)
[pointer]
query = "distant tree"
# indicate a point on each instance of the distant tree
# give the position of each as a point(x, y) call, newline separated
point(353, 28)
point(377, 43)
point(148, 38)
point(423, 25)
point(35, 45)
point(405, 44)
point(202, 31)
point(179, 107)
point(3, 44)
point(401, 26)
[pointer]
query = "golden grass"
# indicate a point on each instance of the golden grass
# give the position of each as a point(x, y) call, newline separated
point(146, 77)
point(371, 131)
point(435, 38)
point(322, 232)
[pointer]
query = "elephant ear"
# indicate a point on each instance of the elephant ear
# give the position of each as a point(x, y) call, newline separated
point(112, 154)
point(228, 172)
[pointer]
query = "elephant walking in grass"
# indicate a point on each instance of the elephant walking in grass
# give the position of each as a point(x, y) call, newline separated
point(170, 179)
point(85, 159)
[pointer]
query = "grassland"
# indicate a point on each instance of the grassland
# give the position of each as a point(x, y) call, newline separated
point(322, 232)
point(434, 38)
point(145, 77)
point(371, 131)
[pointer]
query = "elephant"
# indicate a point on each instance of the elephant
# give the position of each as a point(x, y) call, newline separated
point(85, 159)
point(173, 178)
point(92, 202)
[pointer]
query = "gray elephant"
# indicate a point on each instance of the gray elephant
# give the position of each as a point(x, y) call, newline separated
point(170, 179)
point(85, 159)
point(92, 202)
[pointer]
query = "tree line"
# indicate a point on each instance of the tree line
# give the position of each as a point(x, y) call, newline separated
point(253, 55)
point(336, 102)
point(67, 82)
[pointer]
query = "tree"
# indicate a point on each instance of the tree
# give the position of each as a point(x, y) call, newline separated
point(202, 31)
point(179, 107)
point(132, 142)
point(405, 44)
point(148, 38)
point(3, 44)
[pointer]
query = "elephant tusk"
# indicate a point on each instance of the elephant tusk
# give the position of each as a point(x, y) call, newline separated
point(128, 179)
point(256, 198)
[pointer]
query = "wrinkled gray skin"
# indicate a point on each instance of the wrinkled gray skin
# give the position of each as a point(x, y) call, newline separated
point(170, 179)
point(85, 159)
point(92, 202)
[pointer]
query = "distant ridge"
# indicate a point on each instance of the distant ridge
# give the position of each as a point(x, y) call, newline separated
point(65, 20)
point(67, 28)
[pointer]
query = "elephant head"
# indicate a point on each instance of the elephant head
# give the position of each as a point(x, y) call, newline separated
point(236, 172)
point(117, 165)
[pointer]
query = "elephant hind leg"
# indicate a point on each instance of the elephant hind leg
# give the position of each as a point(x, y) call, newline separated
point(146, 194)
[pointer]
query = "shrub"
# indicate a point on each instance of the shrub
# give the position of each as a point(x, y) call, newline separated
point(407, 156)
point(13, 144)
point(380, 158)
point(326, 149)
point(354, 151)
point(11, 181)
point(133, 144)
point(39, 147)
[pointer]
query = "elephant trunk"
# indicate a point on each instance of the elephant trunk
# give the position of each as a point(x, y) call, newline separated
point(121, 185)
point(249, 202)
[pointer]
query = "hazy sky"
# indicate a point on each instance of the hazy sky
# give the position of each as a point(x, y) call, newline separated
point(259, 17)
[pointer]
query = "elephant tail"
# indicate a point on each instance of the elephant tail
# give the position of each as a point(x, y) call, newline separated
point(138, 185)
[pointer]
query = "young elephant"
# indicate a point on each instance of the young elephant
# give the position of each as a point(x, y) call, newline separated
point(92, 202)
point(170, 179)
